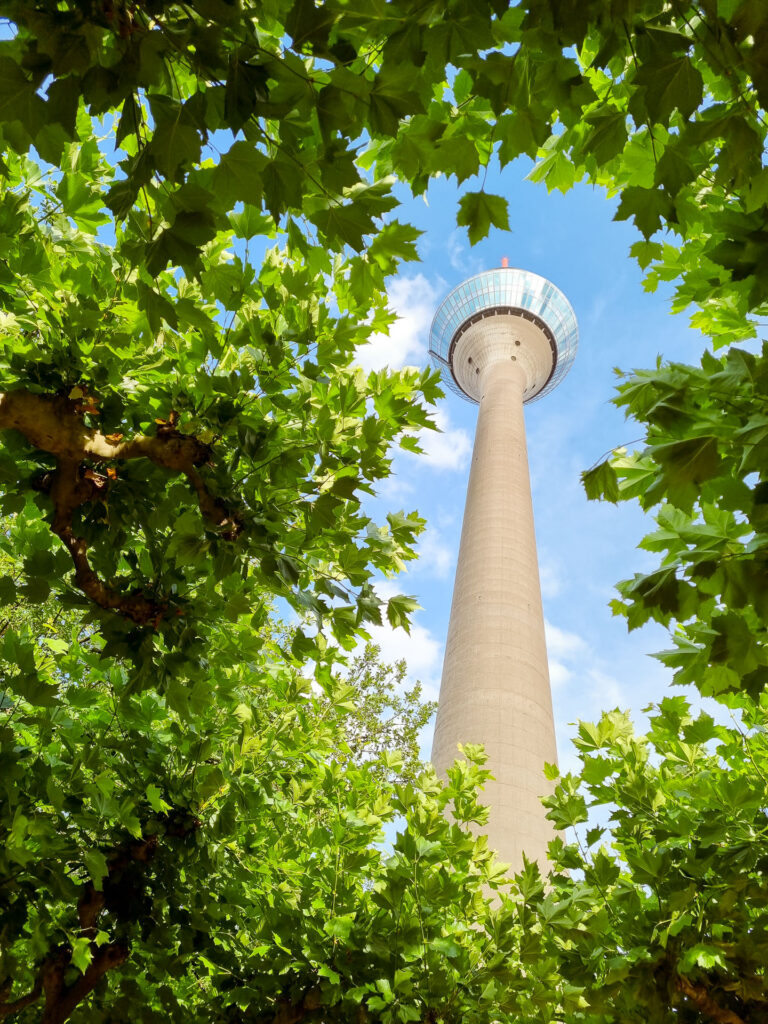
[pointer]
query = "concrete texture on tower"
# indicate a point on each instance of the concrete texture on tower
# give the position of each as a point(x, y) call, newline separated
point(502, 339)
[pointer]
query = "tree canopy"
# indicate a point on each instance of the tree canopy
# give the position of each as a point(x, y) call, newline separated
point(197, 223)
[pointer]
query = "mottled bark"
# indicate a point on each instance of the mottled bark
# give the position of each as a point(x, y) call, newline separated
point(702, 999)
point(55, 424)
point(60, 999)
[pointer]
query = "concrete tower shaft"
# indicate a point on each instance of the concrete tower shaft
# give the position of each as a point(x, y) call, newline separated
point(513, 343)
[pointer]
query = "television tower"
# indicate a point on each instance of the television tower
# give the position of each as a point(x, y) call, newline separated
point(502, 339)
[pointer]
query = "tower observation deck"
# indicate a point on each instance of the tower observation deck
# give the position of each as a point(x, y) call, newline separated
point(501, 339)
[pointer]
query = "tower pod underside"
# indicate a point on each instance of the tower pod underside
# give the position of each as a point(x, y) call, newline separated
point(505, 313)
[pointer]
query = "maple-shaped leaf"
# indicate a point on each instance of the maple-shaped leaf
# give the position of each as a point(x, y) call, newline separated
point(601, 482)
point(238, 176)
point(607, 134)
point(344, 224)
point(647, 206)
point(667, 84)
point(521, 131)
point(399, 609)
point(479, 211)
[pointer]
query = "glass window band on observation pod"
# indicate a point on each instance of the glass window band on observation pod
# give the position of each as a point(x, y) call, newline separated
point(509, 290)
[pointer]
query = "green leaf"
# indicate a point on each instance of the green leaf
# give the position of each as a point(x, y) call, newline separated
point(650, 208)
point(674, 169)
point(35, 690)
point(462, 86)
point(246, 88)
point(7, 590)
point(345, 224)
point(130, 120)
point(521, 131)
point(668, 83)
point(251, 222)
point(56, 645)
point(18, 99)
point(175, 142)
point(339, 927)
point(446, 947)
point(97, 866)
point(702, 955)
point(394, 241)
point(458, 156)
point(156, 802)
point(81, 202)
point(391, 98)
point(238, 175)
point(479, 211)
point(693, 460)
point(399, 609)
point(607, 134)
point(601, 482)
point(81, 954)
point(555, 169)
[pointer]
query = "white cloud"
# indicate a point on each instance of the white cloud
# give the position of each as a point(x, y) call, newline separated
point(600, 303)
point(559, 674)
point(563, 645)
point(422, 653)
point(447, 447)
point(563, 649)
point(592, 689)
point(455, 251)
point(605, 691)
point(395, 487)
point(551, 580)
point(387, 588)
point(435, 558)
point(461, 257)
point(414, 300)
point(448, 450)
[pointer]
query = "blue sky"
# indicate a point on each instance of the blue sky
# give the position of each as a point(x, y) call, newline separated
point(584, 547)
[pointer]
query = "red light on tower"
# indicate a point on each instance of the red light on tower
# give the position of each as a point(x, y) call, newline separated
point(505, 261)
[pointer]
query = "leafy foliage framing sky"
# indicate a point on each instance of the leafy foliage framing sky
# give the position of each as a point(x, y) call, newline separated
point(188, 440)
